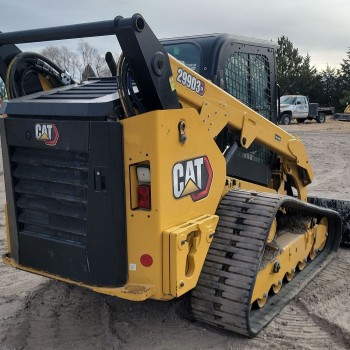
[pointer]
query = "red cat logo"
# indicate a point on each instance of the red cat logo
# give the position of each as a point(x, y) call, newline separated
point(192, 177)
point(47, 133)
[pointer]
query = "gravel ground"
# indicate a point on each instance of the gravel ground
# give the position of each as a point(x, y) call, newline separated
point(38, 313)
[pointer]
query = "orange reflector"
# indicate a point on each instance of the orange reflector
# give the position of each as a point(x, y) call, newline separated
point(144, 196)
point(146, 260)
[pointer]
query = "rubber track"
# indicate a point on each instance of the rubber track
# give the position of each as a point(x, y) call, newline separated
point(223, 293)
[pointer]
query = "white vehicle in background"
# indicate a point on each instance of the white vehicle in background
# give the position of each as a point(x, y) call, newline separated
point(298, 107)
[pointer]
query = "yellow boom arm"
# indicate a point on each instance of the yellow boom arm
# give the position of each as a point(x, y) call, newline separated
point(218, 109)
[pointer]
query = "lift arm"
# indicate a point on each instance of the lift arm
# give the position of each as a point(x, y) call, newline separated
point(219, 109)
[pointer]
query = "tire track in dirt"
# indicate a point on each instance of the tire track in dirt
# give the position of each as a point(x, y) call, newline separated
point(59, 316)
point(327, 148)
point(328, 296)
point(319, 316)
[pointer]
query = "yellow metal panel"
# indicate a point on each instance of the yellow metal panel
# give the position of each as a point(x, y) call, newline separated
point(295, 250)
point(240, 117)
point(188, 246)
point(154, 137)
point(235, 184)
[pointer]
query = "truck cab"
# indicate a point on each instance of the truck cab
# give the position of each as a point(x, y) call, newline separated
point(298, 107)
point(293, 106)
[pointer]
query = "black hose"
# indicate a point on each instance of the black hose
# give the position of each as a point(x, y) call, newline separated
point(27, 63)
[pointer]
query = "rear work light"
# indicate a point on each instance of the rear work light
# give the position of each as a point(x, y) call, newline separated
point(144, 187)
point(143, 174)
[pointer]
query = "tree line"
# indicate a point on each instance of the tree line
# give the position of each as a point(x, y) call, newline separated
point(329, 87)
point(296, 74)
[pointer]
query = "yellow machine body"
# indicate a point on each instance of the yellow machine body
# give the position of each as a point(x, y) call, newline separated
point(154, 138)
point(199, 219)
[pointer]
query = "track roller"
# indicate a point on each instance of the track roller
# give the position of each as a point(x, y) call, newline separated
point(302, 264)
point(277, 287)
point(290, 275)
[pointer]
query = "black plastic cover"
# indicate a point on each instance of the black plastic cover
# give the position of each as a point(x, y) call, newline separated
point(66, 201)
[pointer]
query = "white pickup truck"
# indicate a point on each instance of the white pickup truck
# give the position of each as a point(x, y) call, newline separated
point(298, 107)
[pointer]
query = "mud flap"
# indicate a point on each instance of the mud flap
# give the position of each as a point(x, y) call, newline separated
point(343, 208)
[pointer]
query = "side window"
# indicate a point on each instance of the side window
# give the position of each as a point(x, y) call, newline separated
point(247, 77)
point(187, 53)
point(300, 101)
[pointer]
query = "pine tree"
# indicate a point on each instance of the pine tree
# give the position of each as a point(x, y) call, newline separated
point(288, 66)
point(345, 72)
point(344, 80)
point(308, 82)
point(330, 87)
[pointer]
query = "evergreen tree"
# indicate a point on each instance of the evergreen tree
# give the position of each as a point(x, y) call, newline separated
point(345, 99)
point(344, 80)
point(329, 95)
point(345, 72)
point(88, 72)
point(308, 82)
point(288, 66)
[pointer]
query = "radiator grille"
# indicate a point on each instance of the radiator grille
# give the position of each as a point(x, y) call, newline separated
point(51, 193)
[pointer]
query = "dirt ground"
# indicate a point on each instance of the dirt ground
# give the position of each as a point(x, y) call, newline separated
point(37, 313)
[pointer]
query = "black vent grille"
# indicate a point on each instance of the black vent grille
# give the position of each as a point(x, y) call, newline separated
point(51, 193)
point(92, 89)
point(94, 100)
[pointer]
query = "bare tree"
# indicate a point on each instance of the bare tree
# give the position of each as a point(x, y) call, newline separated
point(65, 59)
point(87, 53)
point(90, 56)
point(77, 63)
point(100, 66)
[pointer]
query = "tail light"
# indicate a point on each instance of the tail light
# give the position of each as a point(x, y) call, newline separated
point(144, 196)
point(144, 187)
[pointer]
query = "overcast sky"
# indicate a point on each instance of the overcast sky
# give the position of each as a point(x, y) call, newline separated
point(317, 27)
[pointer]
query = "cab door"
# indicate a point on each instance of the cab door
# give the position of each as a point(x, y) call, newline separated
point(301, 107)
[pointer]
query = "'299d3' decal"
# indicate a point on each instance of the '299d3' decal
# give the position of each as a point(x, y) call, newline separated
point(193, 178)
point(190, 81)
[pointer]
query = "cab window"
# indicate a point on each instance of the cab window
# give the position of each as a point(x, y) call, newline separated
point(301, 100)
point(187, 53)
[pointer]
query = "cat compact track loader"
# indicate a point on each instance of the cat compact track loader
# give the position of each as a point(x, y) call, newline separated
point(157, 182)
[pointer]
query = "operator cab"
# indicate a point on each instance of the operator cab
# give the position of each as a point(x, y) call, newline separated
point(246, 69)
point(243, 67)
